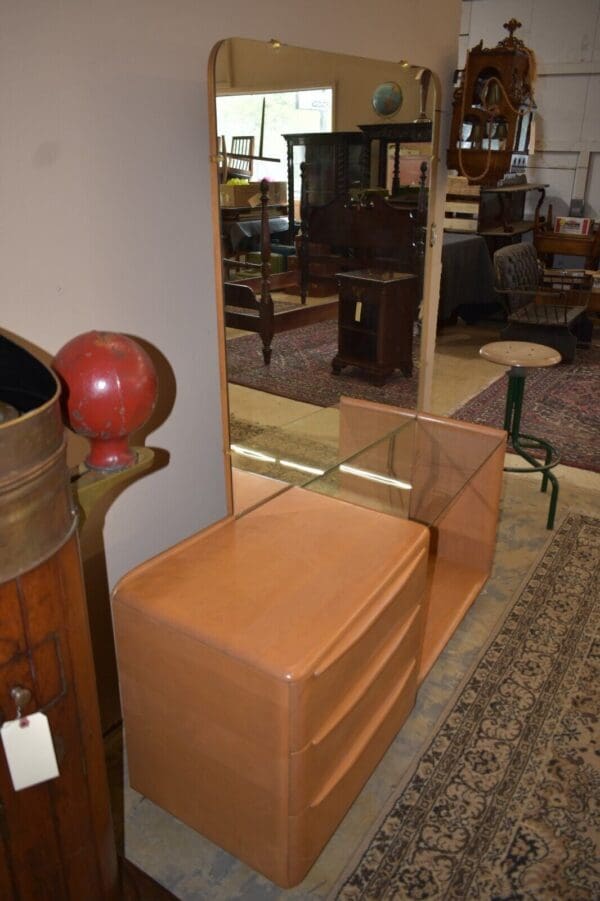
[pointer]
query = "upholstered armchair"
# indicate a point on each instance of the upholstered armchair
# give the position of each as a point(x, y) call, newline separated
point(545, 306)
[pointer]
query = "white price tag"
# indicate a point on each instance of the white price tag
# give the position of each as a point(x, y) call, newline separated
point(29, 750)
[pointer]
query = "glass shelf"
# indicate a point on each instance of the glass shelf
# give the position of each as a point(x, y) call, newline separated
point(395, 461)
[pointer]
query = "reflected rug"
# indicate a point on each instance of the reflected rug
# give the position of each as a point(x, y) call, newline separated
point(560, 404)
point(301, 369)
point(503, 803)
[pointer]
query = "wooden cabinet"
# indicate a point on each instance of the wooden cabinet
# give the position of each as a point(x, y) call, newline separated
point(376, 314)
point(337, 161)
point(549, 243)
point(492, 111)
point(379, 136)
point(497, 213)
point(57, 835)
point(265, 666)
point(267, 662)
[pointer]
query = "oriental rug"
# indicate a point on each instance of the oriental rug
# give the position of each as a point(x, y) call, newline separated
point(503, 802)
point(561, 403)
point(300, 369)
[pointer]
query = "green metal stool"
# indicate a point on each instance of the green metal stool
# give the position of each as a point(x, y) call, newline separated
point(521, 356)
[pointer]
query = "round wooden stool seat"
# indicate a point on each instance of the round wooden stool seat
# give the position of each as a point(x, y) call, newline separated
point(522, 356)
point(520, 353)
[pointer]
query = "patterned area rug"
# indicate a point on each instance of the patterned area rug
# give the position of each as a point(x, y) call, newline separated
point(278, 444)
point(301, 369)
point(561, 404)
point(503, 803)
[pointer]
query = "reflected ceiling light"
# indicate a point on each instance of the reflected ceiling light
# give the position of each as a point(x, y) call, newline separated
point(404, 63)
point(375, 477)
point(302, 467)
point(254, 455)
point(275, 44)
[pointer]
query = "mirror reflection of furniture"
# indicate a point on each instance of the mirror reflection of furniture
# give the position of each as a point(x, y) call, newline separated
point(549, 242)
point(351, 233)
point(497, 213)
point(377, 310)
point(493, 110)
point(247, 291)
point(240, 162)
point(336, 161)
point(542, 306)
point(339, 155)
point(382, 135)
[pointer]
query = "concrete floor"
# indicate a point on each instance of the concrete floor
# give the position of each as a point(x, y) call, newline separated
point(191, 866)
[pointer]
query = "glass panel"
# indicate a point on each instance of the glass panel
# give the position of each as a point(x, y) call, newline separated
point(312, 445)
point(415, 471)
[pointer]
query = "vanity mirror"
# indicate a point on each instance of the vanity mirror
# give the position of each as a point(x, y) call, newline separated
point(346, 191)
point(297, 631)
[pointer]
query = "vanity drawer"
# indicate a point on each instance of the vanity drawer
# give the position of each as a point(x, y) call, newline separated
point(311, 829)
point(321, 698)
point(294, 628)
point(393, 674)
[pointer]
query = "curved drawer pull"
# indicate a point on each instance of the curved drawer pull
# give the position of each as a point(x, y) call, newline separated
point(370, 676)
point(367, 734)
point(356, 631)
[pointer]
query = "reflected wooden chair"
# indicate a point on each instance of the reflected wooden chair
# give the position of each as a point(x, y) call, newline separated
point(546, 306)
point(240, 163)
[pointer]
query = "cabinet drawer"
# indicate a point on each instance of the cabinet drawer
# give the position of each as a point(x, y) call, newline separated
point(321, 699)
point(392, 673)
point(311, 829)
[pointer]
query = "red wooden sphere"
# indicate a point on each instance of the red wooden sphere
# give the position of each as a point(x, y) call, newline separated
point(110, 386)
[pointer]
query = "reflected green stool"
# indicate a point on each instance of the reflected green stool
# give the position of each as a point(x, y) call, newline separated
point(521, 356)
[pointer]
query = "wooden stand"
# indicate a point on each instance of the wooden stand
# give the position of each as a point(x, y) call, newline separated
point(376, 316)
point(549, 243)
point(267, 663)
point(291, 642)
point(57, 839)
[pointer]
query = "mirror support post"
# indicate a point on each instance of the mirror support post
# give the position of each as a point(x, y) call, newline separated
point(433, 252)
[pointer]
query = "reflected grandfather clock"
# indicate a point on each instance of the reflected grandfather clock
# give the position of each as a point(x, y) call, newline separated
point(492, 111)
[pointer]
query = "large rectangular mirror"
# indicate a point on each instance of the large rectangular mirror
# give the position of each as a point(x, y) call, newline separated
point(324, 165)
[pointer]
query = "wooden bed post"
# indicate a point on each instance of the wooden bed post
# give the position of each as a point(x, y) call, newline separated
point(266, 309)
point(304, 237)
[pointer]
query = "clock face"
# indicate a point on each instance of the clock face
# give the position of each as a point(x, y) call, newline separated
point(387, 98)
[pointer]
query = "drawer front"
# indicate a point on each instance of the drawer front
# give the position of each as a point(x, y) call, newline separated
point(312, 829)
point(392, 674)
point(321, 700)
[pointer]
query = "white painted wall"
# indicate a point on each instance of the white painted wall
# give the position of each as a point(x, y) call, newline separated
point(565, 37)
point(105, 218)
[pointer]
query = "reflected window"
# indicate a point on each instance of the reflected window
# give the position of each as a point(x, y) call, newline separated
point(270, 116)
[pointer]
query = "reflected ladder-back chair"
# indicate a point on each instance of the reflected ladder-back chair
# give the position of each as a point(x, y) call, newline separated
point(240, 159)
point(547, 306)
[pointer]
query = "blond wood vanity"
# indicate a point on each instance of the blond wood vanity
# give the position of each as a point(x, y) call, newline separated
point(267, 663)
